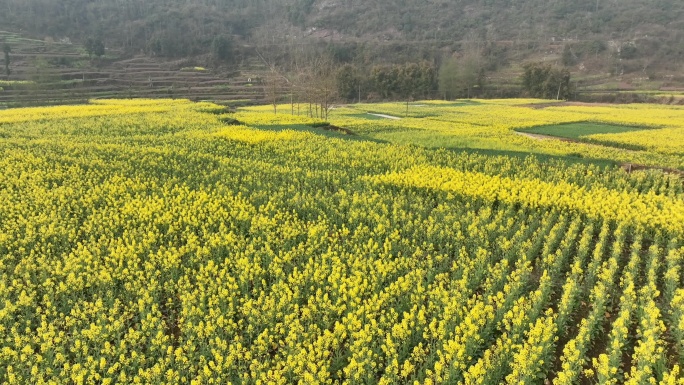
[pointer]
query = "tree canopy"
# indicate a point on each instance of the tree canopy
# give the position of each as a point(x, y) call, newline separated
point(546, 82)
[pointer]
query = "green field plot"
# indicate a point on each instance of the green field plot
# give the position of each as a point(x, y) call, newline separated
point(583, 129)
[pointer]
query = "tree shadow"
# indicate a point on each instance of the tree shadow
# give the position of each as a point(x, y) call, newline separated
point(570, 159)
point(320, 132)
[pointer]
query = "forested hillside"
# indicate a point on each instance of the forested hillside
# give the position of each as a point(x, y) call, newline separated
point(180, 27)
point(605, 44)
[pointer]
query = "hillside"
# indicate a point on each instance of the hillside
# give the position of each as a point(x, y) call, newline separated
point(174, 27)
point(633, 45)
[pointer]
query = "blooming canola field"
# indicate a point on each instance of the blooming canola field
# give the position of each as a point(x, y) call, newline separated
point(164, 242)
point(498, 124)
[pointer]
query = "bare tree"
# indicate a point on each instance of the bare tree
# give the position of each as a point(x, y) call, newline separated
point(325, 83)
point(312, 79)
point(271, 86)
point(274, 82)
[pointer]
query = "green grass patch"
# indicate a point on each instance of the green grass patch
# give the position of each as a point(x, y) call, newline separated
point(580, 130)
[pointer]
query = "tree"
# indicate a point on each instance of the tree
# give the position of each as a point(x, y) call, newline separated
point(458, 78)
point(448, 78)
point(568, 58)
point(222, 49)
point(406, 81)
point(273, 84)
point(544, 81)
point(7, 50)
point(470, 75)
point(386, 80)
point(411, 81)
point(314, 79)
point(348, 82)
point(628, 51)
point(95, 46)
point(324, 83)
point(426, 83)
point(596, 47)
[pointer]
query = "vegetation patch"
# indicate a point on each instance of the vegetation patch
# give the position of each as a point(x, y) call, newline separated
point(230, 120)
point(15, 83)
point(193, 69)
point(581, 132)
point(330, 127)
point(582, 129)
point(214, 109)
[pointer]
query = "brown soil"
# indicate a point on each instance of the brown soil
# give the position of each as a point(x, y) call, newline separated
point(629, 167)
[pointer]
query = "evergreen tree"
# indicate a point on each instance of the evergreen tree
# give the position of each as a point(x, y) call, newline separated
point(546, 82)
point(348, 82)
point(95, 46)
point(222, 49)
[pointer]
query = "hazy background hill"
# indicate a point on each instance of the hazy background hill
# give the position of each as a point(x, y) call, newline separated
point(656, 26)
point(606, 44)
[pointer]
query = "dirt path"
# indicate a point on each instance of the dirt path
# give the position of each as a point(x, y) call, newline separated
point(547, 137)
point(386, 116)
point(629, 167)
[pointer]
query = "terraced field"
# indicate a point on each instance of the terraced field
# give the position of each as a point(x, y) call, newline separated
point(62, 73)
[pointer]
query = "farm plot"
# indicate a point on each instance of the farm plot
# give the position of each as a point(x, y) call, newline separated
point(581, 130)
point(149, 242)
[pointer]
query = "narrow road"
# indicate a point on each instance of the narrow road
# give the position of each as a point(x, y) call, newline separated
point(386, 116)
point(546, 137)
